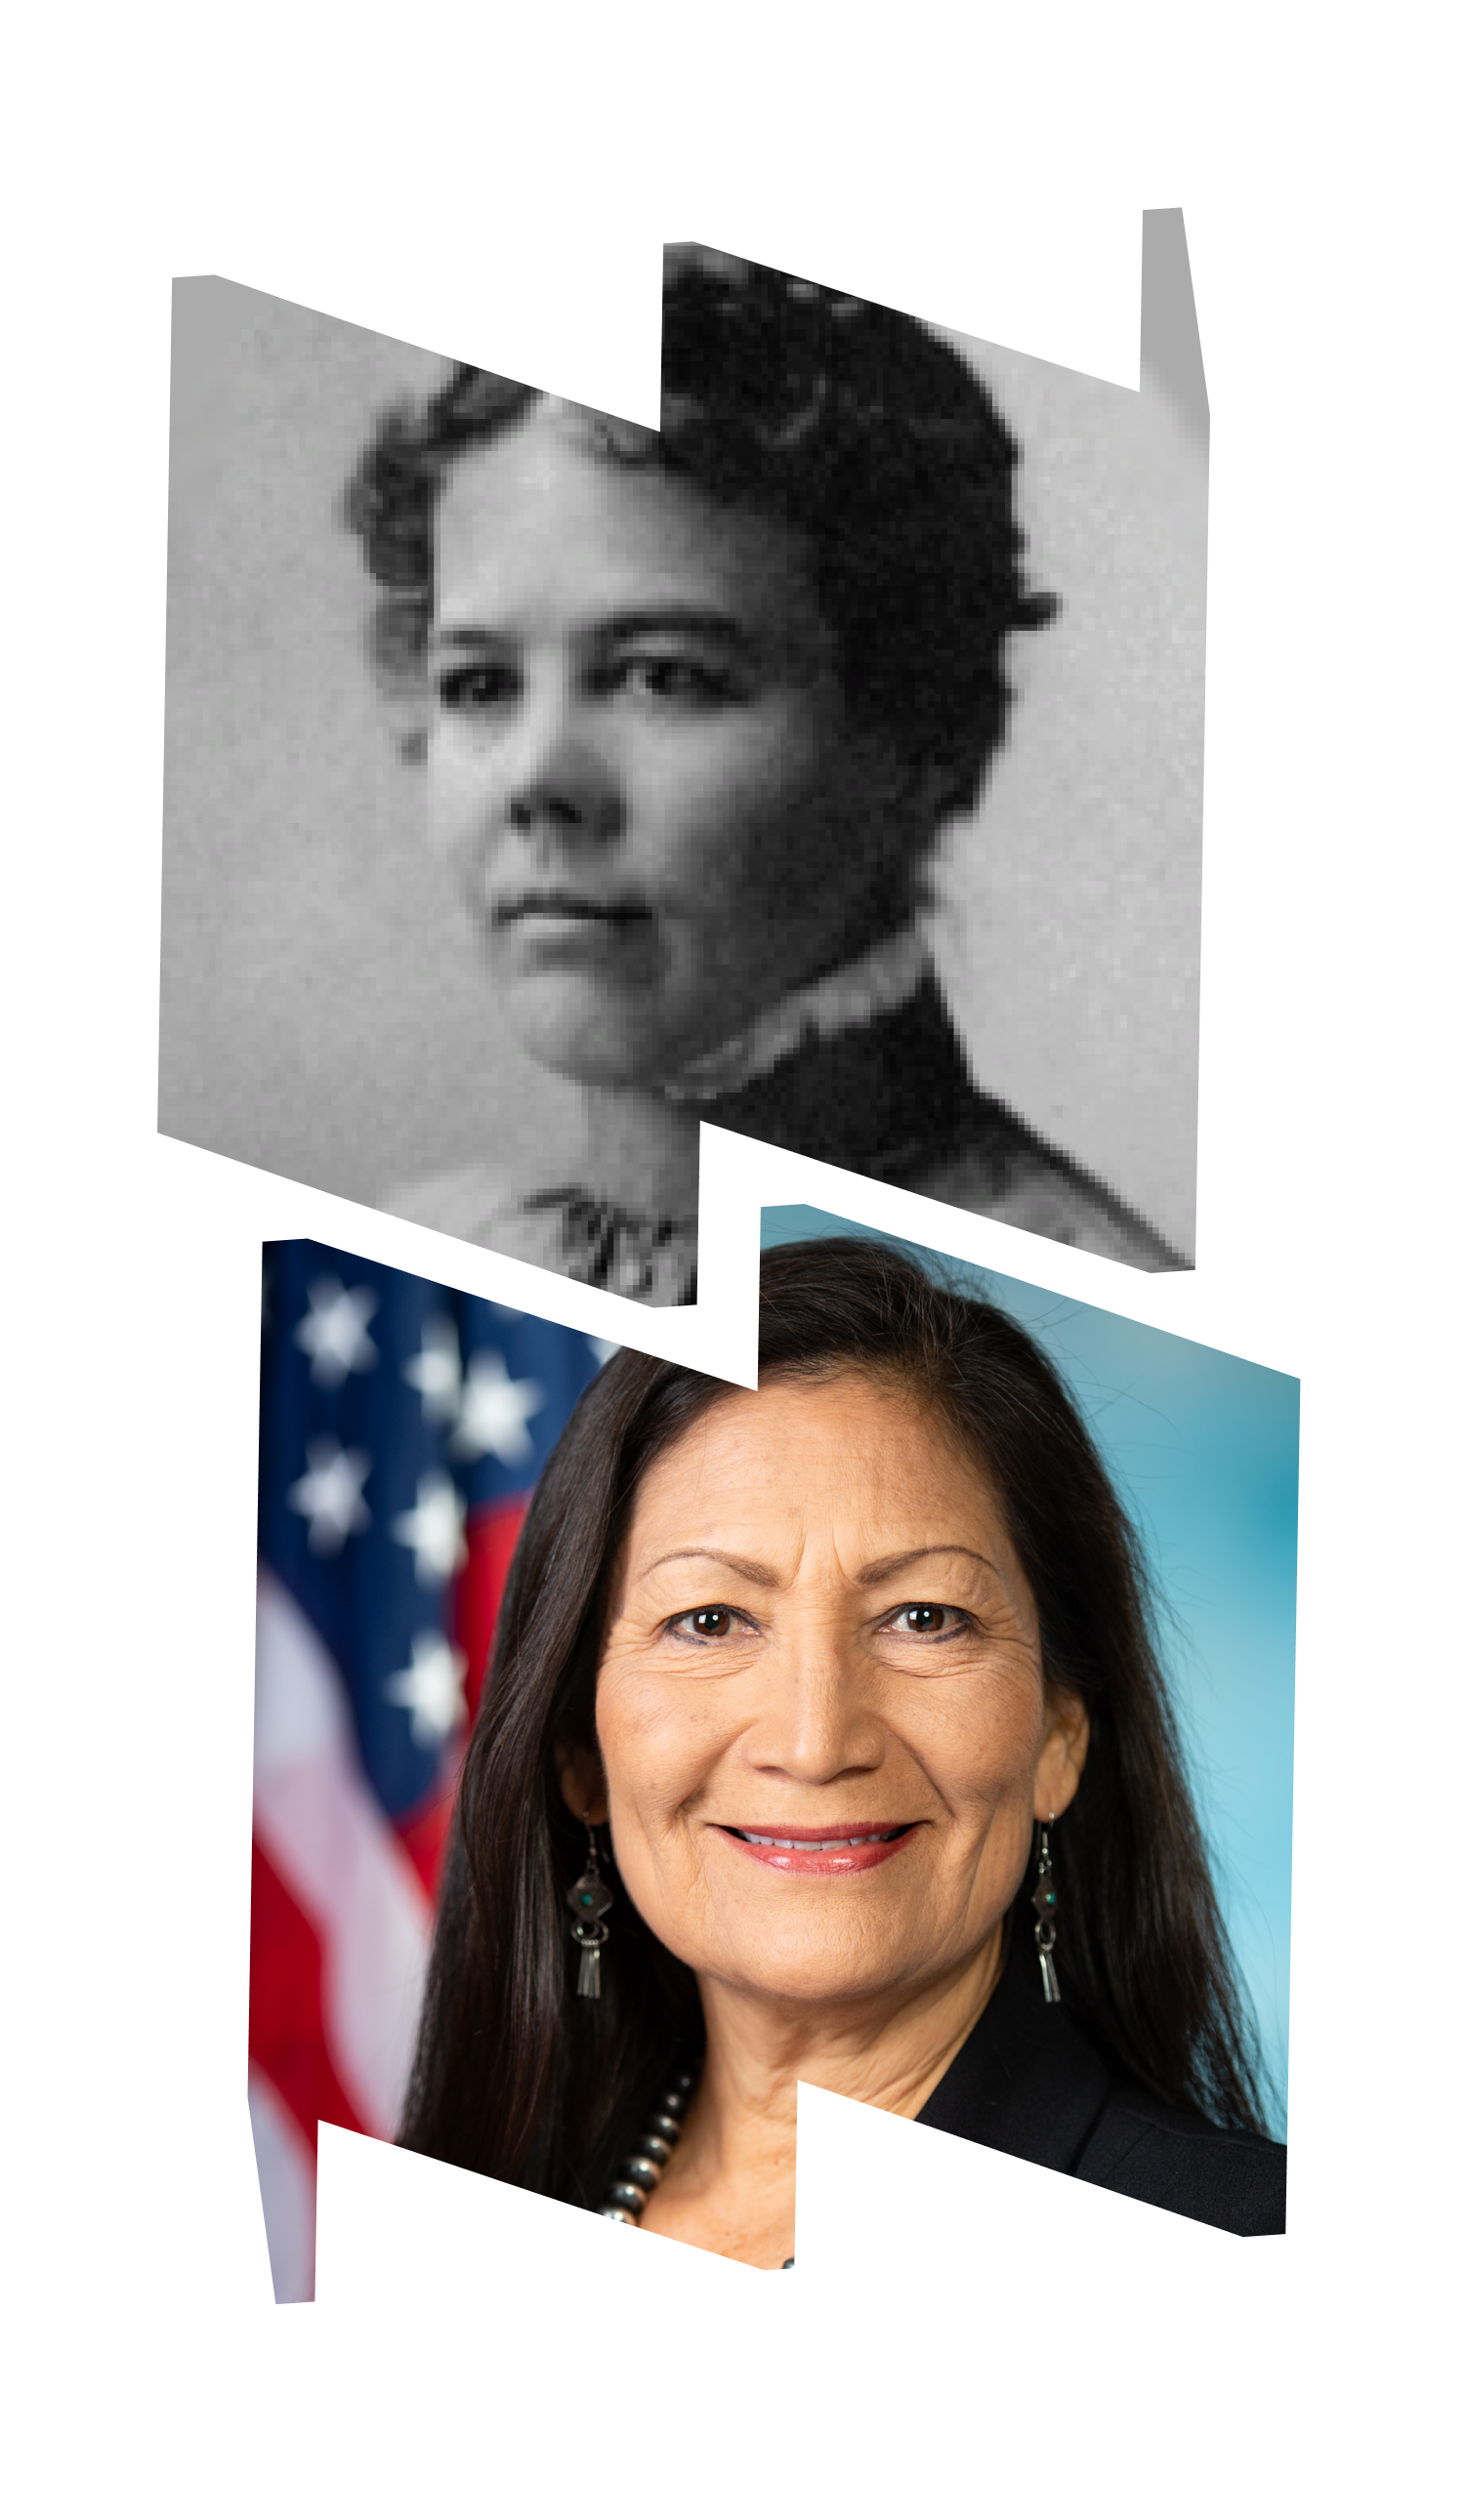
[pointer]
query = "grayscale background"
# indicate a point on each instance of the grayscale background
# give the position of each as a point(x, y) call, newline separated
point(323, 1011)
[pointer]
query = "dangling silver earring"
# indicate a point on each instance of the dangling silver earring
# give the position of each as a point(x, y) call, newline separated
point(587, 1901)
point(1045, 1932)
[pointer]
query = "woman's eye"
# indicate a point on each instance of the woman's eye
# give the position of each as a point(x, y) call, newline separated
point(711, 1623)
point(467, 688)
point(672, 678)
point(928, 1619)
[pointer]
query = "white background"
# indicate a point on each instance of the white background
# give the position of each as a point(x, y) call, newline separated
point(403, 171)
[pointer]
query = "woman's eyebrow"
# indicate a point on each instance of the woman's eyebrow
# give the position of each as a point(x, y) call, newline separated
point(687, 620)
point(881, 1569)
point(749, 1568)
point(464, 634)
point(678, 620)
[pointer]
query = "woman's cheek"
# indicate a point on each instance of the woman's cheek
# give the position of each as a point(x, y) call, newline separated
point(654, 1852)
point(658, 1733)
point(728, 806)
point(983, 1743)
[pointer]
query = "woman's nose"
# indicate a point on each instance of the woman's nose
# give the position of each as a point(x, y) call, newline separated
point(819, 1722)
point(562, 780)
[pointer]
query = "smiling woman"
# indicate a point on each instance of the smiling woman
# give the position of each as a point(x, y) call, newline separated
point(855, 1670)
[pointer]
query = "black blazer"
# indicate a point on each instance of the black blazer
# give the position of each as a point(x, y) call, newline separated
point(1028, 2081)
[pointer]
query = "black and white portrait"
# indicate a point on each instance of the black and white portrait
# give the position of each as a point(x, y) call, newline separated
point(825, 764)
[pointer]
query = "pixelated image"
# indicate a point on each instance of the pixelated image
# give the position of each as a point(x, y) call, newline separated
point(824, 764)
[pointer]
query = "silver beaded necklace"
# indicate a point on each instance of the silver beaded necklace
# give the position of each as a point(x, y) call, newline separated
point(588, 1900)
point(628, 2194)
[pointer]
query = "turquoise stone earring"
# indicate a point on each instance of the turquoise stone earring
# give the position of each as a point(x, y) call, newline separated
point(587, 1901)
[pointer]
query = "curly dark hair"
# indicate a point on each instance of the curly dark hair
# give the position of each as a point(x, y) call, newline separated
point(511, 2077)
point(851, 423)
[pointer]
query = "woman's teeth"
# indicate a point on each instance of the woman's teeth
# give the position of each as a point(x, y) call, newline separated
point(820, 1845)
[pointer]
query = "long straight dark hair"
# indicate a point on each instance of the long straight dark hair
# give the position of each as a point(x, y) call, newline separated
point(513, 2075)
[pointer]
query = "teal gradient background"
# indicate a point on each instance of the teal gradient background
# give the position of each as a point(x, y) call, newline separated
point(1202, 1449)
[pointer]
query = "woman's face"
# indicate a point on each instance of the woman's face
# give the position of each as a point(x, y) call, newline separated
point(640, 754)
point(821, 1707)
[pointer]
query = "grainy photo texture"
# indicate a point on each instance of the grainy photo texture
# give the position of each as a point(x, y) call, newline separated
point(824, 763)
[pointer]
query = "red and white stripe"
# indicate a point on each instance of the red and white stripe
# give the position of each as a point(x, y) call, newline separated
point(341, 1925)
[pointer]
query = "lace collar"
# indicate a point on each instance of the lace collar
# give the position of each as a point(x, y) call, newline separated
point(855, 994)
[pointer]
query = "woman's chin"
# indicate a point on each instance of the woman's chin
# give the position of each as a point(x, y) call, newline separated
point(608, 1067)
point(604, 1046)
point(818, 1980)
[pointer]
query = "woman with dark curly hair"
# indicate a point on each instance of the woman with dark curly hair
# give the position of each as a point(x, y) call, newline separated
point(695, 705)
point(826, 1739)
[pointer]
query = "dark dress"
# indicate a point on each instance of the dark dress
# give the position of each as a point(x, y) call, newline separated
point(893, 1100)
point(1028, 2081)
point(890, 1098)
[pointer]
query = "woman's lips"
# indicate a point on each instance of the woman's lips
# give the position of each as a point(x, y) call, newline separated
point(565, 908)
point(544, 931)
point(821, 1851)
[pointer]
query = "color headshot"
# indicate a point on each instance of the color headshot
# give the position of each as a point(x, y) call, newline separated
point(632, 1745)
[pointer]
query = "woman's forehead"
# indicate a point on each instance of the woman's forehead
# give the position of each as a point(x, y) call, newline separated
point(546, 523)
point(842, 1450)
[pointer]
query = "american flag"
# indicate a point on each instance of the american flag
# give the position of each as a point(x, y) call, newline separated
point(402, 1427)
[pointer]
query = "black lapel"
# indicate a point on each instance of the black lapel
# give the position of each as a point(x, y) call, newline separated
point(1026, 2081)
